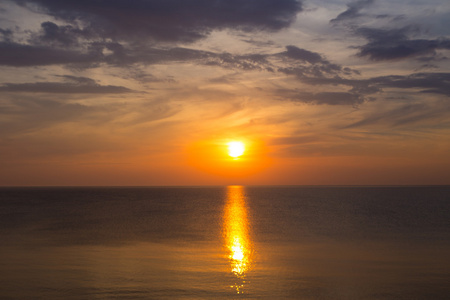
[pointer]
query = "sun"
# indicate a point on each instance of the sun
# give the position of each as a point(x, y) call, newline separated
point(236, 149)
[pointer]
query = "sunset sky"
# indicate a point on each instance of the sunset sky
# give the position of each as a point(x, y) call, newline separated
point(149, 92)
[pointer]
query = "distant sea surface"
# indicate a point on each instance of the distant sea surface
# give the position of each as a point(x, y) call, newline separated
point(225, 243)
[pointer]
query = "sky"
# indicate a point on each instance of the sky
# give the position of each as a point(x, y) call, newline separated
point(149, 92)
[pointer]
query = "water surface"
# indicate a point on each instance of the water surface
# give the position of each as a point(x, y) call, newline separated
point(225, 243)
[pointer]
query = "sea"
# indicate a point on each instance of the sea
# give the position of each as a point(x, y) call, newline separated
point(231, 242)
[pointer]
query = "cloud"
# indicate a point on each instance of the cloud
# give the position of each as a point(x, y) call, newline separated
point(391, 44)
point(148, 55)
point(302, 55)
point(409, 114)
point(25, 114)
point(130, 32)
point(34, 113)
point(63, 36)
point(323, 98)
point(391, 36)
point(73, 85)
point(306, 64)
point(22, 55)
point(6, 34)
point(437, 83)
point(333, 98)
point(243, 62)
point(169, 20)
point(312, 71)
point(353, 11)
point(429, 82)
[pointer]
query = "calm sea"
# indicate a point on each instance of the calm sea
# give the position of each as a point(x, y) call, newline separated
point(225, 243)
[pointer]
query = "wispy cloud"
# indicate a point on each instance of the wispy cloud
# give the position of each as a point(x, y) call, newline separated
point(72, 85)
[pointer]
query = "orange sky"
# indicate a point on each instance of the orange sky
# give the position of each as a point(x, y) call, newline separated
point(321, 92)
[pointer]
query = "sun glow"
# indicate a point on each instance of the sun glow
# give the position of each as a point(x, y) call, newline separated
point(228, 160)
point(236, 149)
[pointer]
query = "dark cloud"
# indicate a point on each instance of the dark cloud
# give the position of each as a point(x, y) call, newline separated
point(170, 20)
point(333, 98)
point(360, 90)
point(307, 64)
point(118, 32)
point(21, 55)
point(6, 34)
point(73, 85)
point(318, 73)
point(432, 58)
point(243, 62)
point(302, 54)
point(323, 74)
point(311, 68)
point(259, 43)
point(353, 11)
point(428, 82)
point(391, 44)
point(322, 98)
point(145, 55)
point(64, 36)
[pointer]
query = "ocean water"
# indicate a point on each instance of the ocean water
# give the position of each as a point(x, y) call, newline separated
point(225, 243)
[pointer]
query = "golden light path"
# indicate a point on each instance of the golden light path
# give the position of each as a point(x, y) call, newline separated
point(237, 236)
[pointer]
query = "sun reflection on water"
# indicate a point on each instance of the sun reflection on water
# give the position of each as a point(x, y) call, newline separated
point(237, 236)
